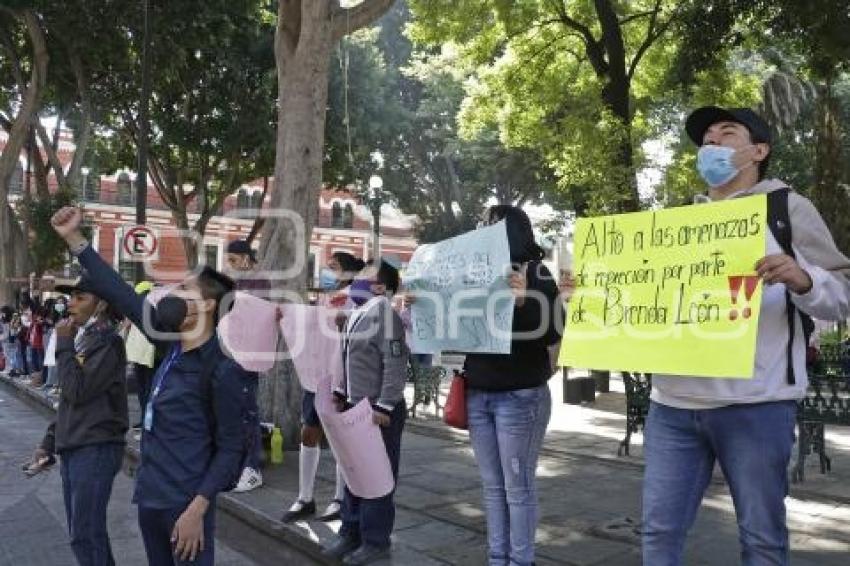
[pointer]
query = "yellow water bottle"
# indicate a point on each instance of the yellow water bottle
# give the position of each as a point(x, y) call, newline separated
point(277, 446)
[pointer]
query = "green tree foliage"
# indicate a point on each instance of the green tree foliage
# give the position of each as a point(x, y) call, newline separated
point(212, 105)
point(47, 249)
point(573, 80)
point(808, 48)
point(429, 168)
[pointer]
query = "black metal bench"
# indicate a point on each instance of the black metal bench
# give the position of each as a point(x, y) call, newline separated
point(638, 388)
point(426, 386)
point(827, 401)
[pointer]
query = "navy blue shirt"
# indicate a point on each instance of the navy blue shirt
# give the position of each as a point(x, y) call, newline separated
point(195, 446)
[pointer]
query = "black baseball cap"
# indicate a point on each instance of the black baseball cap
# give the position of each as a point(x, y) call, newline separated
point(702, 118)
point(82, 284)
point(241, 247)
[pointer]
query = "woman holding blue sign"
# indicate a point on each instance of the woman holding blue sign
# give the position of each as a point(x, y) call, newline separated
point(508, 399)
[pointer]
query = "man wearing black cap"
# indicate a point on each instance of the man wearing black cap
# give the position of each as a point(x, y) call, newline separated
point(91, 421)
point(746, 425)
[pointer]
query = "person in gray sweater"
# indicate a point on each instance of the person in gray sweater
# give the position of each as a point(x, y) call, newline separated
point(91, 421)
point(375, 358)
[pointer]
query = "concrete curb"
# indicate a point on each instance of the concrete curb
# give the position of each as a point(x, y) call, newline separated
point(269, 526)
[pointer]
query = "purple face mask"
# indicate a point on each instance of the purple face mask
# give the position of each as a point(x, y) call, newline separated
point(361, 291)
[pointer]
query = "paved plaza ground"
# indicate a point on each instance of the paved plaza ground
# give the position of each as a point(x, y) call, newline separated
point(590, 499)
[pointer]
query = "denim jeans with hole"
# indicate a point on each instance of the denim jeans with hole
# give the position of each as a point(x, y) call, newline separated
point(752, 444)
point(506, 429)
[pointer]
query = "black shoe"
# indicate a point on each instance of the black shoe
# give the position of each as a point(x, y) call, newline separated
point(343, 546)
point(333, 511)
point(307, 509)
point(366, 554)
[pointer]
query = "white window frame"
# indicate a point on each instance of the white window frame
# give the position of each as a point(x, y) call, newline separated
point(217, 242)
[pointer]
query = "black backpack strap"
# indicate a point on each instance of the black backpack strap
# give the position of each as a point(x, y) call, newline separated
point(779, 221)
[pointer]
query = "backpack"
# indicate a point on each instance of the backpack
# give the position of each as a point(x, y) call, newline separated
point(250, 418)
point(779, 222)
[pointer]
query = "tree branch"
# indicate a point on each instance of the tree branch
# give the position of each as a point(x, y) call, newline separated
point(40, 169)
point(31, 99)
point(288, 30)
point(593, 48)
point(565, 19)
point(259, 221)
point(352, 19)
point(652, 34)
point(636, 16)
point(52, 154)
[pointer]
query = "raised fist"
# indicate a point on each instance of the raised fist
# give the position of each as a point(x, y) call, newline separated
point(67, 222)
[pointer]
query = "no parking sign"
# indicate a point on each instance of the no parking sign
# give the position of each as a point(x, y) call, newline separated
point(139, 243)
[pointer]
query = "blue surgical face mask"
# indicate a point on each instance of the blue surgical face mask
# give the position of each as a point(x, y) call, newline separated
point(715, 165)
point(328, 279)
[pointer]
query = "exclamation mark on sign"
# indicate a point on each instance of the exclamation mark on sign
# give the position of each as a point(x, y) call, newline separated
point(735, 283)
point(750, 284)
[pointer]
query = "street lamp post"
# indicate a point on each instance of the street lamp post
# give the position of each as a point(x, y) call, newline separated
point(376, 199)
point(144, 129)
point(85, 171)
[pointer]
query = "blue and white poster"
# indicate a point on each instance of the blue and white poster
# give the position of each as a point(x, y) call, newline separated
point(463, 301)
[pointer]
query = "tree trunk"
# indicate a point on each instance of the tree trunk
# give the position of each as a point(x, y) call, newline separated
point(828, 194)
point(615, 95)
point(10, 232)
point(303, 93)
point(307, 31)
point(190, 245)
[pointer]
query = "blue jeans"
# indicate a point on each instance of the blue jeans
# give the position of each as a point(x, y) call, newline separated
point(23, 358)
point(87, 476)
point(371, 521)
point(254, 457)
point(35, 357)
point(506, 429)
point(10, 350)
point(753, 445)
point(158, 524)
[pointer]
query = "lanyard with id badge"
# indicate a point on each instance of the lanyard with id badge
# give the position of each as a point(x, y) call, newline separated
point(166, 367)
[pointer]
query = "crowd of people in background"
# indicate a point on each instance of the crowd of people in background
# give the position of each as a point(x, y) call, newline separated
point(28, 338)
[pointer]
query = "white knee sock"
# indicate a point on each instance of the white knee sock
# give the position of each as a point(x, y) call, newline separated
point(340, 484)
point(308, 464)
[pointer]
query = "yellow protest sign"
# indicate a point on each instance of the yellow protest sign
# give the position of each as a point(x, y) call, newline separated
point(669, 291)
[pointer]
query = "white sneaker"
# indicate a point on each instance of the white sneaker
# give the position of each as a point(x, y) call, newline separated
point(250, 479)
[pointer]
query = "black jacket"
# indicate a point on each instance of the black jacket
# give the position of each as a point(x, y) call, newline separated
point(93, 399)
point(541, 319)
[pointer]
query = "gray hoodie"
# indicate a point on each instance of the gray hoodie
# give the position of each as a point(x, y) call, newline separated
point(828, 299)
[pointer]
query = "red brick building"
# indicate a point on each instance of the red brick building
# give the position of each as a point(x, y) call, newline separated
point(343, 222)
